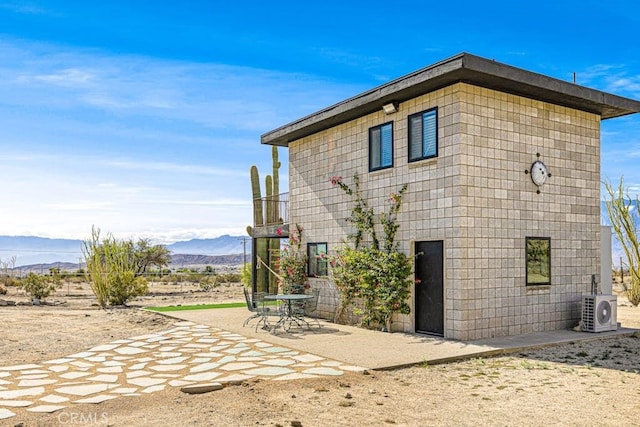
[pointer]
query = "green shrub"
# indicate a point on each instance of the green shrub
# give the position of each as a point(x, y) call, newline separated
point(111, 267)
point(124, 286)
point(37, 286)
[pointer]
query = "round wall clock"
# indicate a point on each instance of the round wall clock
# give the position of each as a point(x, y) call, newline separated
point(539, 173)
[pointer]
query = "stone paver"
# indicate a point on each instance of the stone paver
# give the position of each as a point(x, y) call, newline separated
point(17, 403)
point(53, 398)
point(18, 368)
point(12, 394)
point(189, 356)
point(46, 408)
point(5, 413)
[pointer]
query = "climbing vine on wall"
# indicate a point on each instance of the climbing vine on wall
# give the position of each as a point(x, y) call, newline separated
point(369, 270)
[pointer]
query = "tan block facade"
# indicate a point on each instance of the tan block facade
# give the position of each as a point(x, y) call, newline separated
point(475, 197)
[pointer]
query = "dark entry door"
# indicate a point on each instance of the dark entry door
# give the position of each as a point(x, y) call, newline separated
point(429, 288)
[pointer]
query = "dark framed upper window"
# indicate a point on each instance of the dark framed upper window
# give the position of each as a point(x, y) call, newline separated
point(538, 261)
point(423, 135)
point(381, 147)
point(316, 259)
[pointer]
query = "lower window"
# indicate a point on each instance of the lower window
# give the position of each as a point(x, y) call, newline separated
point(538, 261)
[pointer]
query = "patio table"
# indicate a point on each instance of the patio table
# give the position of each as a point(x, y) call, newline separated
point(288, 314)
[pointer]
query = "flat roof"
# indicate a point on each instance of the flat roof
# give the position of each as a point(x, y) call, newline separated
point(466, 68)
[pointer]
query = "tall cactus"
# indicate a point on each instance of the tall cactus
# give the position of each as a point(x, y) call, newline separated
point(274, 202)
point(268, 184)
point(276, 184)
point(263, 275)
point(257, 198)
point(266, 248)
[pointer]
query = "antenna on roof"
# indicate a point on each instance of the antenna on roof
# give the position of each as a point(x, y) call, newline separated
point(574, 77)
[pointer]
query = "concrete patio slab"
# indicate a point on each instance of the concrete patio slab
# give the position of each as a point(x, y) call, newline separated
point(378, 350)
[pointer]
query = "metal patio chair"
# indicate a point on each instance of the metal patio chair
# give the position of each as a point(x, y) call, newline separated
point(256, 306)
point(308, 308)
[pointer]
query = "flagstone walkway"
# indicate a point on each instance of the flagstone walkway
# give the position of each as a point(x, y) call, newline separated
point(188, 354)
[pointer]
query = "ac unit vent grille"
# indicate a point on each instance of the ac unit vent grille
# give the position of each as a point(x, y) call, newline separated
point(599, 313)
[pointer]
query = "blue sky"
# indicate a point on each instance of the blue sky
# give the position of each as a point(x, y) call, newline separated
point(143, 118)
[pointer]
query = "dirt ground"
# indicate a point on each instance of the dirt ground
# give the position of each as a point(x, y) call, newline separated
point(585, 384)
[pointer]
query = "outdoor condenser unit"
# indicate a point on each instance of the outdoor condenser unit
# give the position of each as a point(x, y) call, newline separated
point(599, 313)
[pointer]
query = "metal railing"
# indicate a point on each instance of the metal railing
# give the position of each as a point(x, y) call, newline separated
point(271, 210)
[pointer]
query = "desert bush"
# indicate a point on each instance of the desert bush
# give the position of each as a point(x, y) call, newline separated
point(620, 208)
point(190, 277)
point(111, 267)
point(6, 281)
point(74, 279)
point(170, 278)
point(206, 280)
point(229, 278)
point(208, 283)
point(38, 287)
point(6, 274)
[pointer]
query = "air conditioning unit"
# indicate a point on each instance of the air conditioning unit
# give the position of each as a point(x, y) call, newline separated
point(599, 313)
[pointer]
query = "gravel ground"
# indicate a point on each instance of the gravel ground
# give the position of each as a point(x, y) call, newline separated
point(577, 384)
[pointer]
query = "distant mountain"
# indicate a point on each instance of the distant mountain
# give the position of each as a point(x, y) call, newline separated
point(177, 261)
point(30, 250)
point(223, 245)
point(186, 260)
point(44, 268)
point(39, 250)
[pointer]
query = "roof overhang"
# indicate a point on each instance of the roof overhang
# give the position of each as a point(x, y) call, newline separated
point(460, 68)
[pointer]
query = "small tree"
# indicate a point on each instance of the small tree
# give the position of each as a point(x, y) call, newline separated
point(147, 255)
point(111, 269)
point(620, 209)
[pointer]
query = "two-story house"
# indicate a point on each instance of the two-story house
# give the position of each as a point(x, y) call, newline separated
point(503, 199)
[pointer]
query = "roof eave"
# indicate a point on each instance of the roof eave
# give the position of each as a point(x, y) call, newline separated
point(460, 68)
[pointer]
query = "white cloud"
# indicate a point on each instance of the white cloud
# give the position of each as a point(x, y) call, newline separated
point(23, 7)
point(64, 196)
point(177, 168)
point(624, 84)
point(69, 77)
point(212, 95)
point(79, 206)
point(614, 78)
